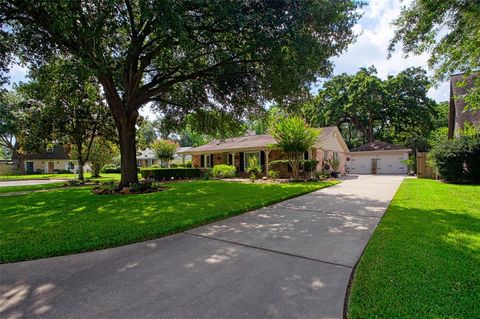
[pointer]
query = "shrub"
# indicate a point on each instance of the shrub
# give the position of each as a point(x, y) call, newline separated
point(254, 167)
point(273, 174)
point(224, 171)
point(188, 164)
point(457, 160)
point(7, 169)
point(169, 173)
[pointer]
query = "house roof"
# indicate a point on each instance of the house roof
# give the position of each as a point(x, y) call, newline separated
point(58, 152)
point(377, 146)
point(245, 142)
point(150, 154)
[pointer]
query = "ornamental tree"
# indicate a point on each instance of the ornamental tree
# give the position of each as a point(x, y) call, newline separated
point(294, 137)
point(184, 56)
point(165, 151)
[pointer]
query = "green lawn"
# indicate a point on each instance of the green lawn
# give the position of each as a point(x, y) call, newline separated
point(66, 221)
point(423, 260)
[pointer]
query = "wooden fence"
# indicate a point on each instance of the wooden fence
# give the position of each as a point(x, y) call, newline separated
point(423, 169)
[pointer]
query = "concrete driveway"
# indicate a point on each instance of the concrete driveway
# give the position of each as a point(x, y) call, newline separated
point(289, 260)
point(30, 182)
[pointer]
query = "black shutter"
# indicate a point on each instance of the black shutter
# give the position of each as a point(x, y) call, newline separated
point(230, 160)
point(211, 160)
point(262, 160)
point(242, 165)
point(202, 161)
point(306, 155)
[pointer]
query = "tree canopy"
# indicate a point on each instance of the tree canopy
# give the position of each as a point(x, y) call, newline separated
point(183, 56)
point(72, 106)
point(449, 31)
point(366, 108)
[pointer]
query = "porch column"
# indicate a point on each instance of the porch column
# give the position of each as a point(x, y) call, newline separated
point(267, 152)
point(233, 153)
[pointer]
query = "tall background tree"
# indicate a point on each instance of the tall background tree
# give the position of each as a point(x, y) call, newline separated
point(449, 31)
point(185, 56)
point(23, 126)
point(367, 108)
point(73, 106)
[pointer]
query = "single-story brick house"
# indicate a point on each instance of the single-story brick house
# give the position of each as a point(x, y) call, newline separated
point(236, 151)
point(54, 159)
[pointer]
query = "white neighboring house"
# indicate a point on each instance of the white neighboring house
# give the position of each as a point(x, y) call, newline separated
point(53, 160)
point(147, 157)
point(378, 158)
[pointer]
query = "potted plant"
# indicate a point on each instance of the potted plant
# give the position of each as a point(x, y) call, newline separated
point(334, 164)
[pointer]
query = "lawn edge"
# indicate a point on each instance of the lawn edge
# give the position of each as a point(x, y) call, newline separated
point(354, 269)
point(177, 231)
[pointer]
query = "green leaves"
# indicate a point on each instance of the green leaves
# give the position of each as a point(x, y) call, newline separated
point(165, 149)
point(448, 30)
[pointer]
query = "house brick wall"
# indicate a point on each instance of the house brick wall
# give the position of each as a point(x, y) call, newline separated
point(319, 155)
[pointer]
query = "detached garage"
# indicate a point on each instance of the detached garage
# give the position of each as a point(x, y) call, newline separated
point(377, 158)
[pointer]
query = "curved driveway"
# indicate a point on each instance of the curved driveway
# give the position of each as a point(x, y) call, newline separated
point(289, 260)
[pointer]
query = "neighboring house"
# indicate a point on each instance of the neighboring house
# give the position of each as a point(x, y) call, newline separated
point(237, 151)
point(378, 158)
point(458, 115)
point(148, 157)
point(54, 159)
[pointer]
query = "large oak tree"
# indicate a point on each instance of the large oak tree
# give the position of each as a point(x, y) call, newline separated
point(185, 56)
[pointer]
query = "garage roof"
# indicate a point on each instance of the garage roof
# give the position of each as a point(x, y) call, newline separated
point(377, 146)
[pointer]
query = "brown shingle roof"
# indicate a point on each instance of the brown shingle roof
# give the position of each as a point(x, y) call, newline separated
point(246, 142)
point(58, 152)
point(377, 146)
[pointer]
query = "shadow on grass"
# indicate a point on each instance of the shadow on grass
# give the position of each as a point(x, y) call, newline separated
point(420, 263)
point(75, 220)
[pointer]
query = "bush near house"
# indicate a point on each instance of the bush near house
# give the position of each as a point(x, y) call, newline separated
point(168, 173)
point(224, 171)
point(457, 160)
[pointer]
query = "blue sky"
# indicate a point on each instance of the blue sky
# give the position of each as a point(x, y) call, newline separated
point(374, 33)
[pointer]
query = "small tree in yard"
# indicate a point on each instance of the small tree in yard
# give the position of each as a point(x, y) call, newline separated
point(294, 137)
point(165, 151)
point(102, 152)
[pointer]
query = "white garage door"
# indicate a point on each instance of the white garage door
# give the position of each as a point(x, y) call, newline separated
point(360, 165)
point(391, 164)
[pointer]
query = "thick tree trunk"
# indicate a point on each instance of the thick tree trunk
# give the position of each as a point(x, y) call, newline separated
point(21, 163)
point(128, 152)
point(80, 169)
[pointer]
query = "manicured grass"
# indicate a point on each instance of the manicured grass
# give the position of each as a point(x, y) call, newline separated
point(66, 221)
point(423, 260)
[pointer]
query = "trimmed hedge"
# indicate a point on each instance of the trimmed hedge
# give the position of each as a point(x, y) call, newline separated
point(168, 173)
point(458, 160)
point(110, 169)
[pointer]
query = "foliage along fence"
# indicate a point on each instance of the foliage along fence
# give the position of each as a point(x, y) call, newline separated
point(169, 173)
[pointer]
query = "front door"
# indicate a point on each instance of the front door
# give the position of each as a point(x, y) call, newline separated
point(51, 167)
point(374, 166)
